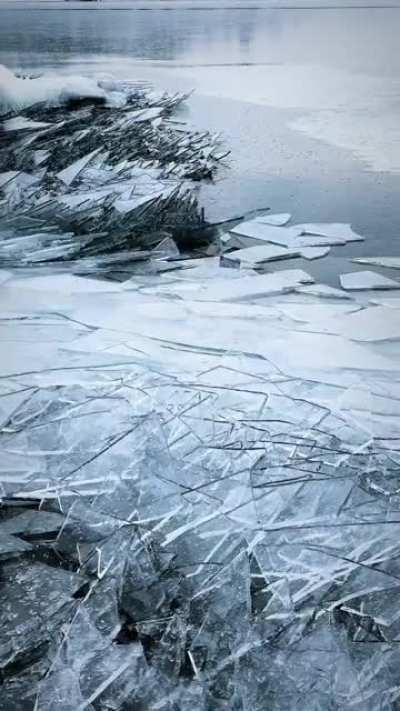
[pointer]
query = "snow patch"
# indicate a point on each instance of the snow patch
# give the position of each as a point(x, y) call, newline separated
point(17, 93)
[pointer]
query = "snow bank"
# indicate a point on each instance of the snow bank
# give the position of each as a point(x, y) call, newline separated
point(17, 93)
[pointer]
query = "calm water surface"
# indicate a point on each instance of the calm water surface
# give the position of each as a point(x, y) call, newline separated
point(307, 99)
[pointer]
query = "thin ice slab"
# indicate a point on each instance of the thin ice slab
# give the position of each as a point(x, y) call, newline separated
point(254, 287)
point(65, 283)
point(388, 262)
point(279, 220)
point(266, 233)
point(314, 252)
point(363, 281)
point(332, 230)
point(323, 291)
point(294, 237)
point(20, 123)
point(257, 256)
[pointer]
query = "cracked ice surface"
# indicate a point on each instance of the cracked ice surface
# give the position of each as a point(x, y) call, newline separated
point(199, 485)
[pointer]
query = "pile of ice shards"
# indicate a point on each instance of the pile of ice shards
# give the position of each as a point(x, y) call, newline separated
point(98, 175)
point(199, 479)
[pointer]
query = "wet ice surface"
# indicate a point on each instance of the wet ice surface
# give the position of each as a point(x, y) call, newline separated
point(199, 463)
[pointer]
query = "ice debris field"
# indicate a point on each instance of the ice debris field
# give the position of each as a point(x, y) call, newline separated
point(199, 470)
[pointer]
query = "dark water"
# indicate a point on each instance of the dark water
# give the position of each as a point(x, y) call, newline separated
point(307, 99)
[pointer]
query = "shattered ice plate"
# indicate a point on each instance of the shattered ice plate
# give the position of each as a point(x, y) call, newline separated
point(199, 466)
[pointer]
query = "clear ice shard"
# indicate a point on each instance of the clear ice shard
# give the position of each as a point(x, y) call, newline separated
point(71, 172)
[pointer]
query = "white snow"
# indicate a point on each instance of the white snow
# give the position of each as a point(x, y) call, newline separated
point(17, 93)
point(360, 281)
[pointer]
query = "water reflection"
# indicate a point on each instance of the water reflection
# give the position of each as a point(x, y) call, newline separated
point(356, 39)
